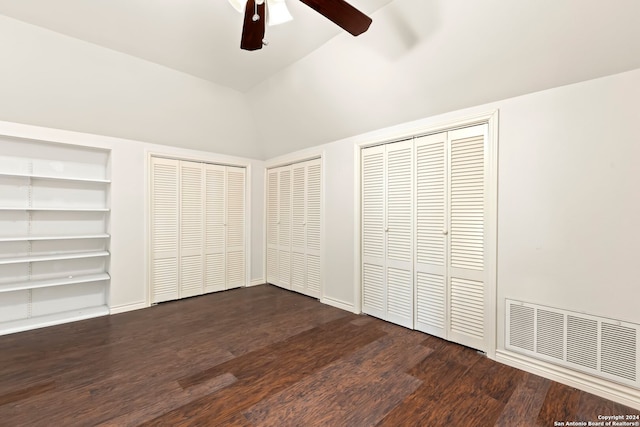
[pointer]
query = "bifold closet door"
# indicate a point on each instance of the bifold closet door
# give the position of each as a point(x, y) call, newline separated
point(294, 195)
point(305, 227)
point(451, 177)
point(313, 227)
point(374, 242)
point(284, 227)
point(164, 229)
point(298, 227)
point(235, 227)
point(272, 225)
point(467, 217)
point(279, 226)
point(431, 235)
point(225, 227)
point(215, 211)
point(191, 229)
point(197, 228)
point(387, 217)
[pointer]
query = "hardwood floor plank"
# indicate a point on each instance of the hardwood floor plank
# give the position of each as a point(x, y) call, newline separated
point(269, 371)
point(494, 379)
point(590, 406)
point(264, 356)
point(357, 390)
point(560, 404)
point(174, 399)
point(25, 393)
point(523, 407)
point(438, 373)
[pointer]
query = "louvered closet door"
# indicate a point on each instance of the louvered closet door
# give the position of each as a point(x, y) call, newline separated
point(467, 206)
point(313, 226)
point(298, 227)
point(305, 227)
point(235, 227)
point(215, 234)
point(191, 229)
point(374, 286)
point(431, 241)
point(272, 225)
point(399, 233)
point(284, 228)
point(164, 229)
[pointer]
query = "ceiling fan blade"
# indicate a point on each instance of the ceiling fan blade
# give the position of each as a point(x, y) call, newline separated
point(342, 14)
point(253, 30)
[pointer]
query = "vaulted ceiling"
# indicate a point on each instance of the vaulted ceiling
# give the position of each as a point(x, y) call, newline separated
point(198, 37)
point(314, 83)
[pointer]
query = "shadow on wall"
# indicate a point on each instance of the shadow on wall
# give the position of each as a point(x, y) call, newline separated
point(397, 29)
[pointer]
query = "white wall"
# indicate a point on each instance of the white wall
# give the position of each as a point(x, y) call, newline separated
point(48, 79)
point(568, 208)
point(339, 287)
point(128, 217)
point(568, 230)
point(422, 58)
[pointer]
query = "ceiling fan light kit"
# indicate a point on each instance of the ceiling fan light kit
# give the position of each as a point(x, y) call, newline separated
point(275, 12)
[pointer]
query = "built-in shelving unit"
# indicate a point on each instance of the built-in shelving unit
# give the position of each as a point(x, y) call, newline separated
point(54, 233)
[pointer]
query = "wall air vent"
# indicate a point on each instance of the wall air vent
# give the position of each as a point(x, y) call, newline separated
point(603, 347)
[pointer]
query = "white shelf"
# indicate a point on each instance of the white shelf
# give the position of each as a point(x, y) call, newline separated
point(35, 284)
point(69, 209)
point(55, 178)
point(61, 237)
point(52, 319)
point(54, 222)
point(53, 257)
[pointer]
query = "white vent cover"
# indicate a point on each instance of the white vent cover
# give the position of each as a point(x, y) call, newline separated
point(603, 347)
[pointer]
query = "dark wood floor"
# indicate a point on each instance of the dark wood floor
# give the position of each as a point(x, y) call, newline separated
point(263, 356)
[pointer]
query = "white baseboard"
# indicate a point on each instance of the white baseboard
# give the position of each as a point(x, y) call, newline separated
point(127, 307)
point(339, 304)
point(609, 390)
point(256, 282)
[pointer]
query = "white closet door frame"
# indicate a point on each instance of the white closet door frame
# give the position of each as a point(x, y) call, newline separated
point(491, 163)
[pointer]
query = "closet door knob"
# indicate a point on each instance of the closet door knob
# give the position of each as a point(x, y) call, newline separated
point(445, 232)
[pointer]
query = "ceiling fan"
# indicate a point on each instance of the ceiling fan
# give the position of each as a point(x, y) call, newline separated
point(274, 12)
